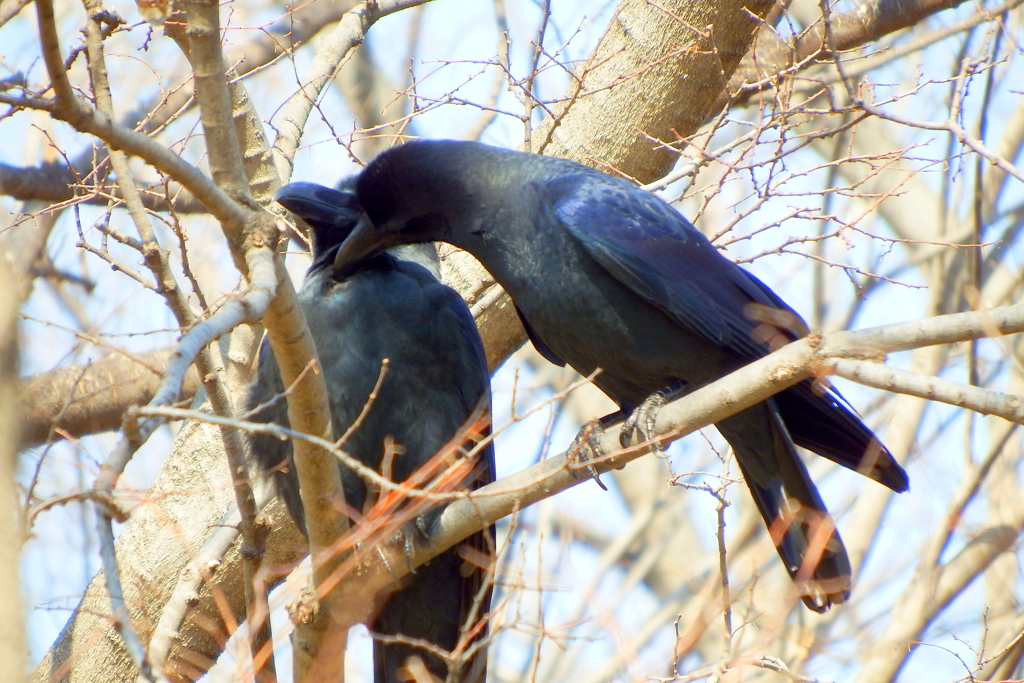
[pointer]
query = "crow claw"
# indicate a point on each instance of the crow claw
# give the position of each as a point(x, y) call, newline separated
point(641, 421)
point(588, 439)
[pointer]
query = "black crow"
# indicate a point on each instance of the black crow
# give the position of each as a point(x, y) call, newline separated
point(436, 382)
point(606, 275)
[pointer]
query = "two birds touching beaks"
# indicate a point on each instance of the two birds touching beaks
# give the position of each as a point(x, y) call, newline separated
point(605, 276)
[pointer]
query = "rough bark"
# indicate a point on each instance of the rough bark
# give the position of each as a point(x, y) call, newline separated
point(870, 21)
point(164, 533)
point(85, 399)
point(660, 67)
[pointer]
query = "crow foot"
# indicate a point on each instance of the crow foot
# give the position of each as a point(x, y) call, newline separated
point(387, 564)
point(588, 439)
point(641, 421)
point(420, 528)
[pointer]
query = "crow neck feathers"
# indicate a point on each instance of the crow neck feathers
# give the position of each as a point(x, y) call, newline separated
point(432, 190)
point(465, 193)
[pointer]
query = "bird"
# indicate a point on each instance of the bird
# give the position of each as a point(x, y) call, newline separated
point(392, 307)
point(608, 277)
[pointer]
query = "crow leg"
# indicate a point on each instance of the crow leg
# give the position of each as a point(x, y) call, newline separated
point(641, 421)
point(420, 528)
point(587, 447)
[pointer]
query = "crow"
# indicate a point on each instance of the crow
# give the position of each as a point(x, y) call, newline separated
point(608, 276)
point(436, 383)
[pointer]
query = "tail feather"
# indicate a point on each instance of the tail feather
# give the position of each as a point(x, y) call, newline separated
point(427, 622)
point(800, 525)
point(820, 421)
point(441, 614)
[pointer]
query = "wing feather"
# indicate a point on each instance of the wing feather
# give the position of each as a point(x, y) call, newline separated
point(652, 249)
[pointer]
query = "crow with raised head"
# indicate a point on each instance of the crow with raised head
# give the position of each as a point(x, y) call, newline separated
point(608, 276)
point(391, 307)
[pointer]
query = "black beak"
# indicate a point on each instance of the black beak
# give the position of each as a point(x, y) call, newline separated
point(330, 214)
point(315, 203)
point(365, 241)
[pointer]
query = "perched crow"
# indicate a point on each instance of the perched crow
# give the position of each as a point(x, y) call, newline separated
point(436, 382)
point(606, 275)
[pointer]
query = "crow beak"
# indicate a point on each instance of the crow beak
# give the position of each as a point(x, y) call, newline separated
point(364, 242)
point(312, 202)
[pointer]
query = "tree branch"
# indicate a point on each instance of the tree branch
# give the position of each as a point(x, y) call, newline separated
point(348, 34)
point(720, 399)
point(13, 645)
point(84, 399)
point(1006, 406)
point(54, 182)
point(636, 68)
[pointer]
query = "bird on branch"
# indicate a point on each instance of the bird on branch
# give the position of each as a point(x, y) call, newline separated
point(611, 279)
point(433, 401)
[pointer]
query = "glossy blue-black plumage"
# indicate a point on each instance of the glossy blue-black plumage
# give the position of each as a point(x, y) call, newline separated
point(436, 381)
point(651, 248)
point(605, 275)
point(661, 256)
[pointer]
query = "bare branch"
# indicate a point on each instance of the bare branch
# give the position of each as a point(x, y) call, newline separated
point(645, 49)
point(93, 397)
point(173, 524)
point(944, 329)
point(933, 587)
point(712, 403)
point(119, 611)
point(952, 127)
point(773, 56)
point(1006, 406)
point(881, 199)
point(53, 182)
point(349, 33)
point(10, 8)
point(13, 643)
point(199, 572)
